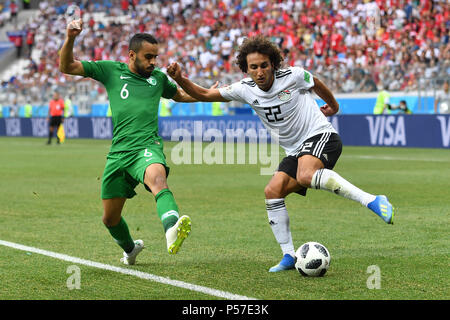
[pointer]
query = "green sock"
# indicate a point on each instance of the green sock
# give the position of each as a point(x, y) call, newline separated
point(166, 208)
point(122, 236)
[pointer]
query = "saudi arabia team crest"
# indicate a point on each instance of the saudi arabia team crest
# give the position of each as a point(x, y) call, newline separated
point(151, 81)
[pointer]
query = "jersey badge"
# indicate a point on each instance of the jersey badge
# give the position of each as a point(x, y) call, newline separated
point(284, 95)
point(152, 81)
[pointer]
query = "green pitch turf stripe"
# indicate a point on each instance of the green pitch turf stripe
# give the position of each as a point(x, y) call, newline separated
point(131, 272)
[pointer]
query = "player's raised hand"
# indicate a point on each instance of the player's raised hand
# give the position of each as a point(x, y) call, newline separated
point(174, 71)
point(215, 85)
point(74, 28)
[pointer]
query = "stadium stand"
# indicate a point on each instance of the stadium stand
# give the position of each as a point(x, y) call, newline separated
point(355, 45)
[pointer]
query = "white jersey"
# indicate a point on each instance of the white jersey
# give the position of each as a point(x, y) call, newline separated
point(287, 110)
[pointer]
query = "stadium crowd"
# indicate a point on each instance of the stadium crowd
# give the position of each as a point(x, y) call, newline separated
point(354, 45)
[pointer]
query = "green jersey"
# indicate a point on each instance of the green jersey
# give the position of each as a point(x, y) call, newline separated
point(134, 102)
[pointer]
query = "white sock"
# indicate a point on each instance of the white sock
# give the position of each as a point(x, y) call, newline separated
point(279, 222)
point(329, 180)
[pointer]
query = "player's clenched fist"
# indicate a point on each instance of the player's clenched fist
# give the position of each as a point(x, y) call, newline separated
point(174, 70)
point(74, 28)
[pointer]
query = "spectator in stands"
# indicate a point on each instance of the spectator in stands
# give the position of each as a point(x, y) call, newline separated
point(226, 48)
point(2, 15)
point(14, 10)
point(18, 43)
point(349, 84)
point(30, 40)
point(124, 5)
point(32, 67)
point(26, 4)
point(369, 84)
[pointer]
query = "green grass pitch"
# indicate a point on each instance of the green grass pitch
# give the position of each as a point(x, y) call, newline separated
point(50, 199)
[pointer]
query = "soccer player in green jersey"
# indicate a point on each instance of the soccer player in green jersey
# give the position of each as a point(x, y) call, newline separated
point(136, 154)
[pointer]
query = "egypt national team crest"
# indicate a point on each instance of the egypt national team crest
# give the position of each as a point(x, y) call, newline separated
point(284, 95)
point(151, 81)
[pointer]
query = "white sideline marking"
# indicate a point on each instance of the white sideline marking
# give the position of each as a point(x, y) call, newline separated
point(393, 158)
point(131, 272)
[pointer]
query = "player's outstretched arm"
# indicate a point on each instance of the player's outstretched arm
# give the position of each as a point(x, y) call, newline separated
point(197, 92)
point(332, 106)
point(67, 64)
point(182, 96)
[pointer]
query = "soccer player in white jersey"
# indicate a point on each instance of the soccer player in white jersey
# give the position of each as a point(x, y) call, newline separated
point(283, 101)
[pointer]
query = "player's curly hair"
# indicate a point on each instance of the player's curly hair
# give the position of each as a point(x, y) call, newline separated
point(261, 45)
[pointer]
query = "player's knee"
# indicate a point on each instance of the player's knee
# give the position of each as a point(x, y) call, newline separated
point(155, 178)
point(272, 191)
point(158, 182)
point(110, 221)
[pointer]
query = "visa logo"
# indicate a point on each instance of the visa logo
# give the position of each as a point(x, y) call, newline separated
point(387, 130)
point(101, 128)
point(445, 130)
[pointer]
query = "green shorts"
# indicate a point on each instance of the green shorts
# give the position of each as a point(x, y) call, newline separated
point(125, 170)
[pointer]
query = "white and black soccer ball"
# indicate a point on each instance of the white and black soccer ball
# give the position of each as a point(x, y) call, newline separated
point(312, 259)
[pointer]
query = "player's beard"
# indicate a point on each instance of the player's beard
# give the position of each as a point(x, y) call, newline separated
point(146, 73)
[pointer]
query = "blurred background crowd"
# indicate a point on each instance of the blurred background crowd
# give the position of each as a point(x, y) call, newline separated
point(353, 45)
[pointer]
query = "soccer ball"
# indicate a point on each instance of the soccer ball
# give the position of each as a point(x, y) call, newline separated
point(312, 259)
